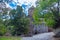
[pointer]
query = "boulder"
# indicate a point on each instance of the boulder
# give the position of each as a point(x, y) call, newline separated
point(57, 34)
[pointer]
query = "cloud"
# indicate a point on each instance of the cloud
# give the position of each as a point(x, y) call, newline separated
point(26, 4)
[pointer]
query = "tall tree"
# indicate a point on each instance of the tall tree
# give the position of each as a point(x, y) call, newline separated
point(19, 21)
point(46, 9)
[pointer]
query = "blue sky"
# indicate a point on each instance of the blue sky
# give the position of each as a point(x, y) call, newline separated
point(26, 4)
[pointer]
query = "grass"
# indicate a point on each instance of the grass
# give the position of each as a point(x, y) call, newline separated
point(10, 38)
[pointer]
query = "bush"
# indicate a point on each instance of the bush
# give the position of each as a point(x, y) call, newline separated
point(3, 29)
point(21, 27)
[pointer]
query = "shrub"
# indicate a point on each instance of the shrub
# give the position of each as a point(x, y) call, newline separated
point(3, 29)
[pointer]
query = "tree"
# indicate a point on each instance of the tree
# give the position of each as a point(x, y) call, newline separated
point(3, 13)
point(48, 11)
point(19, 21)
point(3, 29)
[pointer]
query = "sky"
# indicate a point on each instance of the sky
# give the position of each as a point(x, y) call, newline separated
point(26, 4)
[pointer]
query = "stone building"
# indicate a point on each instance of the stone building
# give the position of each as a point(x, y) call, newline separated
point(35, 29)
point(30, 13)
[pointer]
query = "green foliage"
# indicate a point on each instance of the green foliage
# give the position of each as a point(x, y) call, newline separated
point(19, 21)
point(49, 19)
point(43, 4)
point(37, 16)
point(3, 29)
point(20, 26)
point(50, 16)
point(50, 22)
point(10, 38)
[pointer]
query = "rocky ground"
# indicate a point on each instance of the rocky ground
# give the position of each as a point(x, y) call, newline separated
point(56, 38)
point(43, 36)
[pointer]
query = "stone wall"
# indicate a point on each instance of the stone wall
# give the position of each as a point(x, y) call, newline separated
point(40, 28)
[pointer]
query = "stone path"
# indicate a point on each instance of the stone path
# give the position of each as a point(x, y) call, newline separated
point(43, 36)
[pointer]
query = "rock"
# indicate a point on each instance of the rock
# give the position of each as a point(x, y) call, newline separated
point(57, 34)
point(7, 34)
